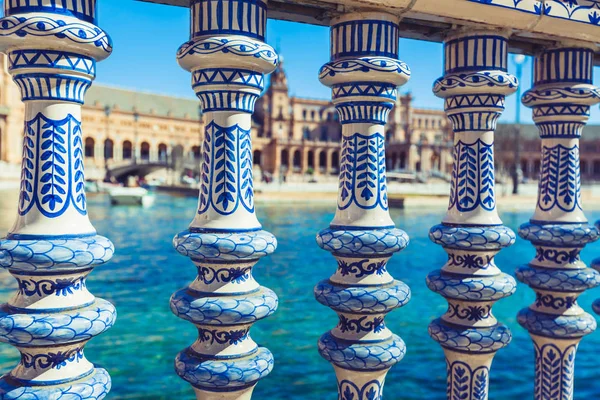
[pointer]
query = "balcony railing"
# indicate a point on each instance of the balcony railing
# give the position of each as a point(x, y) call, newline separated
point(53, 48)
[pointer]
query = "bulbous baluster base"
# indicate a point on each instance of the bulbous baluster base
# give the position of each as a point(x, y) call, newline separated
point(93, 387)
point(52, 316)
point(213, 376)
point(223, 303)
point(555, 321)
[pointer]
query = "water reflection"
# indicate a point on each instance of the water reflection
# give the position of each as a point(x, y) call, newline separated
point(139, 350)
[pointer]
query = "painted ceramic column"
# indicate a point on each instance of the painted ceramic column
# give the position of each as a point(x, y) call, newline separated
point(474, 87)
point(228, 58)
point(364, 73)
point(52, 50)
point(561, 97)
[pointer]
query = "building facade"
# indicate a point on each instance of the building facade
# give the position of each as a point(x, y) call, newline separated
point(297, 137)
point(293, 138)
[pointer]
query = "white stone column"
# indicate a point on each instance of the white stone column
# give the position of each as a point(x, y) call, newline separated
point(52, 50)
point(228, 58)
point(561, 97)
point(364, 73)
point(474, 87)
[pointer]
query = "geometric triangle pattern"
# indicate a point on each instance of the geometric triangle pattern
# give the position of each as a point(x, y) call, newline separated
point(365, 89)
point(51, 59)
point(210, 76)
point(476, 100)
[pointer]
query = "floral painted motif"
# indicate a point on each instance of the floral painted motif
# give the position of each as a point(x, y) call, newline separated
point(226, 168)
point(362, 181)
point(52, 171)
point(473, 176)
point(560, 178)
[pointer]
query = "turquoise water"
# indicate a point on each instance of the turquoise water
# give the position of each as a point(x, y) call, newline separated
point(139, 350)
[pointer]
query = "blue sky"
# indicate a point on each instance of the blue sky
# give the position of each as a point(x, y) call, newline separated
point(146, 37)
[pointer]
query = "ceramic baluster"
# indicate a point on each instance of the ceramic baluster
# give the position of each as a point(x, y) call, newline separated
point(561, 97)
point(474, 87)
point(52, 50)
point(364, 73)
point(228, 58)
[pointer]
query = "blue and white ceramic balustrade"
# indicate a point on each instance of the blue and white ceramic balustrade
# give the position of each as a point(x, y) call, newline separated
point(228, 58)
point(474, 87)
point(561, 97)
point(364, 73)
point(52, 49)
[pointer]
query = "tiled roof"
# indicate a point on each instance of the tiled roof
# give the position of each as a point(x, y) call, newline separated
point(145, 103)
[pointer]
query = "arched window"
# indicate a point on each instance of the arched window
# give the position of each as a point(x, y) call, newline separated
point(323, 133)
point(196, 152)
point(256, 157)
point(536, 167)
point(312, 115)
point(306, 133)
point(335, 161)
point(583, 167)
point(109, 152)
point(297, 159)
point(322, 160)
point(145, 151)
point(596, 167)
point(393, 164)
point(162, 152)
point(304, 115)
point(285, 158)
point(89, 147)
point(127, 150)
point(311, 159)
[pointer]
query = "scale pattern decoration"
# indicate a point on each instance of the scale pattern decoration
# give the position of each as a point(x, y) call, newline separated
point(364, 74)
point(228, 60)
point(474, 87)
point(52, 248)
point(558, 229)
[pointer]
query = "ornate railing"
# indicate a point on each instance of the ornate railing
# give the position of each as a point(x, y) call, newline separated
point(362, 237)
point(474, 87)
point(228, 58)
point(561, 97)
point(52, 48)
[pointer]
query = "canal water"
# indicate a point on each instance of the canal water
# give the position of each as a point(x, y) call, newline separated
point(139, 350)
